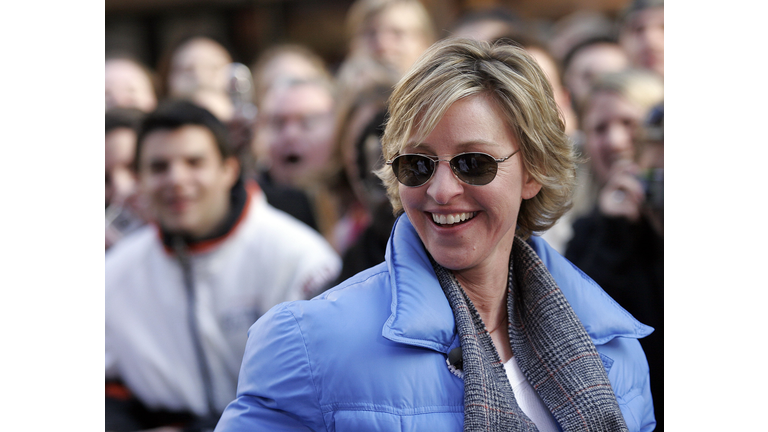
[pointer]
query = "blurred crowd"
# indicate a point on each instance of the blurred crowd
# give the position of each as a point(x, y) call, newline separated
point(230, 187)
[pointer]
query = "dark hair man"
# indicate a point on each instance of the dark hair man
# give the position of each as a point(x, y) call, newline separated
point(181, 293)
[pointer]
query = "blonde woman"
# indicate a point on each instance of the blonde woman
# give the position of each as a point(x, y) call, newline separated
point(470, 323)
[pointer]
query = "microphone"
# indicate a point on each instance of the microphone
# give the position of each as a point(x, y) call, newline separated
point(455, 359)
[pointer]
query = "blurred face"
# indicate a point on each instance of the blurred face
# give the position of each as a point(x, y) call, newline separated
point(467, 228)
point(355, 146)
point(200, 64)
point(298, 132)
point(395, 36)
point(610, 123)
point(591, 62)
point(128, 86)
point(288, 66)
point(119, 151)
point(643, 39)
point(562, 99)
point(185, 179)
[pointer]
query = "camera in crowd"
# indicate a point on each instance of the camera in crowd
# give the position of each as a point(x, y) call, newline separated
point(653, 185)
point(650, 155)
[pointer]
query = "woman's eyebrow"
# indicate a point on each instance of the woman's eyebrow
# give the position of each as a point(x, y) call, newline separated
point(461, 146)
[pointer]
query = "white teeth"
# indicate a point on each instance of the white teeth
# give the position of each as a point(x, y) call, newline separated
point(452, 219)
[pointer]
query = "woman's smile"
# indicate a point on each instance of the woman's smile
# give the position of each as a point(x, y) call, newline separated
point(451, 219)
point(462, 225)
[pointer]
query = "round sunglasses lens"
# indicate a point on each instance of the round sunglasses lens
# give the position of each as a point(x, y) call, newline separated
point(475, 168)
point(413, 170)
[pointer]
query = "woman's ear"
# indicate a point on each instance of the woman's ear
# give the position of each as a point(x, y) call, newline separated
point(530, 187)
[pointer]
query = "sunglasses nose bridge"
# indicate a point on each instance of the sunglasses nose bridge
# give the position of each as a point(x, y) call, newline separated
point(444, 186)
point(454, 168)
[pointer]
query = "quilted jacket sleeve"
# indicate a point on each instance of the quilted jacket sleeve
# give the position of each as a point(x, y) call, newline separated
point(275, 390)
point(631, 384)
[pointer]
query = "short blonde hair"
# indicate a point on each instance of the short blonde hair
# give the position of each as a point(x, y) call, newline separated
point(453, 69)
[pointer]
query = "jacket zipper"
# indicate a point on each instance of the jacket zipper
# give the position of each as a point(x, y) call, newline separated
point(180, 248)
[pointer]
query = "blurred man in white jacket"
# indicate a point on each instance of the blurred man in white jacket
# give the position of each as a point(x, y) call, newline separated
point(182, 292)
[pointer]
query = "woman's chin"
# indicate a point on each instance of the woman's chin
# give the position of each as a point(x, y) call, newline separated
point(455, 260)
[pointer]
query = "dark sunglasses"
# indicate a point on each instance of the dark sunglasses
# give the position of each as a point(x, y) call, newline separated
point(472, 168)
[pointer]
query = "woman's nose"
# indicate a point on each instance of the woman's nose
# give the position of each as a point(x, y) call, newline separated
point(444, 186)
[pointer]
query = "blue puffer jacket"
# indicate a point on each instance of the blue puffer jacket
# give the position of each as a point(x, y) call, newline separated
point(369, 355)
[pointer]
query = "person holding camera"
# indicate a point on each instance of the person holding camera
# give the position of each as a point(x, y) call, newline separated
point(621, 244)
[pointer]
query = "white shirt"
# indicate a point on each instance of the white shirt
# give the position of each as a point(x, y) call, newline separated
point(527, 398)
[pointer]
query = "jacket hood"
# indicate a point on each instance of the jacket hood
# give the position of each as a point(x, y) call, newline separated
point(421, 315)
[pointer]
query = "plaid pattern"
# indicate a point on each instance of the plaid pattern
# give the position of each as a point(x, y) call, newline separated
point(552, 349)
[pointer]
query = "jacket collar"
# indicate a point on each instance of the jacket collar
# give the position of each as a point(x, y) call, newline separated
point(421, 315)
point(241, 199)
point(602, 317)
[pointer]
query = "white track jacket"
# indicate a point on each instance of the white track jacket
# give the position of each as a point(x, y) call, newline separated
point(151, 314)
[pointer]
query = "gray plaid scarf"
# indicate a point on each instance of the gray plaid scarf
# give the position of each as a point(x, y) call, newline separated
point(550, 345)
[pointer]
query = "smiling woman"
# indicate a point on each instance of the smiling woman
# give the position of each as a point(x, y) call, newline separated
point(471, 323)
point(523, 101)
point(482, 241)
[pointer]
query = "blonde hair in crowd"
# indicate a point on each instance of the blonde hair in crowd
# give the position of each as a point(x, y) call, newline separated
point(261, 66)
point(457, 68)
point(362, 11)
point(642, 88)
